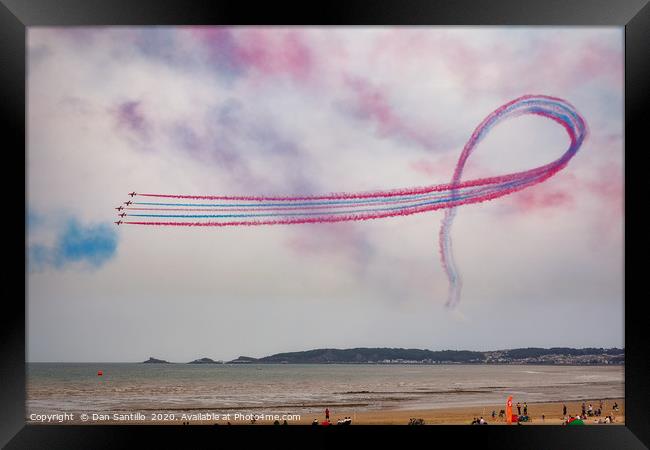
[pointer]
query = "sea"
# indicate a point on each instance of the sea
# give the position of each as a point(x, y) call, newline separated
point(304, 388)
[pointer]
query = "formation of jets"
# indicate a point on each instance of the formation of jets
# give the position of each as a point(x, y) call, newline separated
point(120, 208)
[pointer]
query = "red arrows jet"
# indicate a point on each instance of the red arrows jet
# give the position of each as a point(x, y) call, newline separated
point(122, 215)
point(132, 193)
point(128, 203)
point(118, 222)
point(120, 208)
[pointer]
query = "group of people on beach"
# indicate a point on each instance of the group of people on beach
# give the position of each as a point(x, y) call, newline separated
point(520, 417)
point(523, 417)
point(525, 414)
point(571, 418)
point(589, 411)
point(326, 422)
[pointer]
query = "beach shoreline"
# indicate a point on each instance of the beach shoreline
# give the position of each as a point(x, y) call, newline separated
point(463, 415)
point(541, 413)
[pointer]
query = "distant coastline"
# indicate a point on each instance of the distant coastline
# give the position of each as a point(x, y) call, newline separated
point(528, 356)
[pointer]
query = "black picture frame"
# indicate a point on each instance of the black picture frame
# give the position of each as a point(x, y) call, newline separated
point(17, 15)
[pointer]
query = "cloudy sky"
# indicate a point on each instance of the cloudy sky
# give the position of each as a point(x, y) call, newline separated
point(205, 110)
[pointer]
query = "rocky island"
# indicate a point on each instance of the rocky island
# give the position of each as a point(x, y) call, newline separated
point(205, 361)
point(243, 360)
point(153, 360)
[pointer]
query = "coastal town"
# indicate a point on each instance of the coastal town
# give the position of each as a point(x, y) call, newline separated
point(552, 356)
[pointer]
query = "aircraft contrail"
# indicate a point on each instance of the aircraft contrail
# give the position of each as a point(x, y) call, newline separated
point(221, 211)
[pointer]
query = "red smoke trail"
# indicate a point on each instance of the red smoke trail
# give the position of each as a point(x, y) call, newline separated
point(387, 203)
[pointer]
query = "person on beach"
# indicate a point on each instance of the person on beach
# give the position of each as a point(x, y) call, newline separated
point(327, 414)
point(615, 408)
point(494, 414)
point(563, 410)
point(584, 409)
point(315, 422)
point(525, 409)
point(518, 409)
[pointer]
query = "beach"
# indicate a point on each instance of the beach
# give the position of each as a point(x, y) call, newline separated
point(465, 414)
point(552, 412)
point(132, 393)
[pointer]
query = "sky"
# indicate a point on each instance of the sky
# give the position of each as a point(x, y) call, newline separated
point(291, 111)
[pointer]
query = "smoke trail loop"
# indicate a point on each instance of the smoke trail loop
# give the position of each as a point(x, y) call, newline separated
point(222, 211)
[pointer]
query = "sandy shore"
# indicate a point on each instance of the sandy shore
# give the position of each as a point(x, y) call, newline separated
point(552, 412)
point(545, 413)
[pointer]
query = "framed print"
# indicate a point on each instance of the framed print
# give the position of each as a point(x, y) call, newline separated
point(238, 219)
